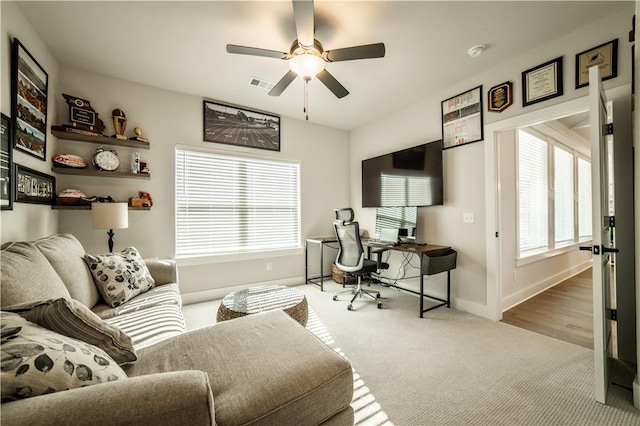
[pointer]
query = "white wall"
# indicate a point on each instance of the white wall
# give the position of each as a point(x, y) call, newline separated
point(465, 166)
point(169, 118)
point(26, 221)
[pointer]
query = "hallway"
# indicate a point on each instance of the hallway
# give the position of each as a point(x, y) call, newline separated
point(564, 312)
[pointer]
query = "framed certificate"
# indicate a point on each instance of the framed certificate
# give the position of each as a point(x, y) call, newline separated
point(462, 119)
point(604, 56)
point(542, 82)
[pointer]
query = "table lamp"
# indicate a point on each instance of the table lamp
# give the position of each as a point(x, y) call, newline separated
point(110, 216)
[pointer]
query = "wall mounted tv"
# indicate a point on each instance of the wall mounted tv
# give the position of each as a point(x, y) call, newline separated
point(410, 177)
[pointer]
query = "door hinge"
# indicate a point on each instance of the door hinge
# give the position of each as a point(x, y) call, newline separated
point(497, 234)
point(612, 314)
point(608, 129)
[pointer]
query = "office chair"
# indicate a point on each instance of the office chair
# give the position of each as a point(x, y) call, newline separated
point(350, 258)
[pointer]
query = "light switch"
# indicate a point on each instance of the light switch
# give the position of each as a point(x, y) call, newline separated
point(468, 218)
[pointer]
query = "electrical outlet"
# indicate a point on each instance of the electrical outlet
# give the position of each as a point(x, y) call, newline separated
point(468, 218)
point(268, 266)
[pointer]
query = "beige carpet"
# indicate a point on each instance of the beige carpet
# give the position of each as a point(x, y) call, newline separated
point(452, 368)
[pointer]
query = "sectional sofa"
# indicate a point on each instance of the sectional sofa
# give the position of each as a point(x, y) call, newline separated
point(140, 365)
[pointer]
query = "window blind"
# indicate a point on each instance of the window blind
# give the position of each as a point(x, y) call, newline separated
point(532, 194)
point(230, 204)
point(584, 199)
point(404, 190)
point(563, 187)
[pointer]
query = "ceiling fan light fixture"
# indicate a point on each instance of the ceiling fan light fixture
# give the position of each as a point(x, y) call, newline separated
point(306, 65)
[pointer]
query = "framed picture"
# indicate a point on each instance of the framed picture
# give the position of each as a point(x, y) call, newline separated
point(604, 56)
point(28, 102)
point(6, 165)
point(542, 83)
point(462, 119)
point(234, 125)
point(32, 186)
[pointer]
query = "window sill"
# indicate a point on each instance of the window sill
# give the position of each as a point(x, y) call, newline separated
point(551, 253)
point(237, 257)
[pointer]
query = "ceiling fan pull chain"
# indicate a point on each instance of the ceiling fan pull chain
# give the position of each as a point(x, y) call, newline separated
point(306, 100)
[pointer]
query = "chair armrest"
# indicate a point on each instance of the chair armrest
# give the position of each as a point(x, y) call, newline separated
point(163, 271)
point(181, 397)
point(378, 252)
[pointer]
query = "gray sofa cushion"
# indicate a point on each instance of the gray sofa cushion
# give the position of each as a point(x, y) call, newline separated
point(151, 325)
point(263, 369)
point(71, 318)
point(27, 276)
point(167, 294)
point(65, 253)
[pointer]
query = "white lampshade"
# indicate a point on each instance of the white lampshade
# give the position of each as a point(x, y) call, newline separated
point(307, 65)
point(110, 215)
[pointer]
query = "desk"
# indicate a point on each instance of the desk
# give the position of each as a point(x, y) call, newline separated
point(322, 241)
point(417, 249)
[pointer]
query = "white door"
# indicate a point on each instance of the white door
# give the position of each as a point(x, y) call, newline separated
point(601, 250)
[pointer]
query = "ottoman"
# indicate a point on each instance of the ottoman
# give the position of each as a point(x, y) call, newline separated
point(264, 298)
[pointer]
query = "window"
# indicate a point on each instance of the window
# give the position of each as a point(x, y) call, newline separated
point(533, 194)
point(231, 204)
point(554, 195)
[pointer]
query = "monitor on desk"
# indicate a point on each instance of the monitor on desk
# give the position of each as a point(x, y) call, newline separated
point(404, 219)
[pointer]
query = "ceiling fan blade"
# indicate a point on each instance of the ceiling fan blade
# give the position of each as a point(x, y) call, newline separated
point(254, 51)
point(283, 83)
point(334, 85)
point(366, 51)
point(303, 14)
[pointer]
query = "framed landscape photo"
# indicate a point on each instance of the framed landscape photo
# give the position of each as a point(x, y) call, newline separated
point(234, 125)
point(604, 56)
point(32, 186)
point(28, 102)
point(542, 83)
point(6, 165)
point(462, 119)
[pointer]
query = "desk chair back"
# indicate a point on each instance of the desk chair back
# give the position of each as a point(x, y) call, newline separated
point(350, 256)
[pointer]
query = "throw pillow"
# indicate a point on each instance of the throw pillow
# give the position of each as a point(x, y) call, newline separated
point(72, 319)
point(119, 276)
point(36, 361)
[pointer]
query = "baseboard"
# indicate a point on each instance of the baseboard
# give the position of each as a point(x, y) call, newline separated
point(541, 286)
point(219, 293)
point(636, 393)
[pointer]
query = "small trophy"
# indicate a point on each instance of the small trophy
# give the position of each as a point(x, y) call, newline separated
point(138, 137)
point(119, 123)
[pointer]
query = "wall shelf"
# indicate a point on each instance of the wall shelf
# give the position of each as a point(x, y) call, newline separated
point(98, 139)
point(99, 173)
point(66, 207)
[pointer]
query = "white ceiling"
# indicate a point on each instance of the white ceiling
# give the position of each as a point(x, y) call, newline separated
point(180, 46)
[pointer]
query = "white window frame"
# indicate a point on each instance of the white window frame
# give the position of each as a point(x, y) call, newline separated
point(552, 249)
point(238, 253)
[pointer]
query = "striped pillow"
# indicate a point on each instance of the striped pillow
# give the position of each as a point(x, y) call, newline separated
point(72, 319)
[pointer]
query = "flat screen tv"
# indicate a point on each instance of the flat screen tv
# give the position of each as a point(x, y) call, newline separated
point(406, 178)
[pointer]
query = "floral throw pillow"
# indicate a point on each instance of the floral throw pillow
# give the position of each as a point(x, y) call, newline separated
point(119, 276)
point(36, 361)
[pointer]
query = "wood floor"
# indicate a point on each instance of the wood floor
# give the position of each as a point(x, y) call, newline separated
point(564, 312)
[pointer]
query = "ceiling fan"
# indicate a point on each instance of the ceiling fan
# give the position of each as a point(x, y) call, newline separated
point(307, 57)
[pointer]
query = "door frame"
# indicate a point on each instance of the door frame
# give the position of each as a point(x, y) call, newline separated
point(492, 195)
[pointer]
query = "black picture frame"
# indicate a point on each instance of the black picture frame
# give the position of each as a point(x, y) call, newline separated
point(542, 82)
point(32, 186)
point(6, 164)
point(604, 55)
point(239, 126)
point(29, 97)
point(462, 119)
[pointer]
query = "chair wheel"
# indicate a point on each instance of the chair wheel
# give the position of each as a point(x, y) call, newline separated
point(378, 296)
point(350, 307)
point(335, 297)
point(379, 305)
